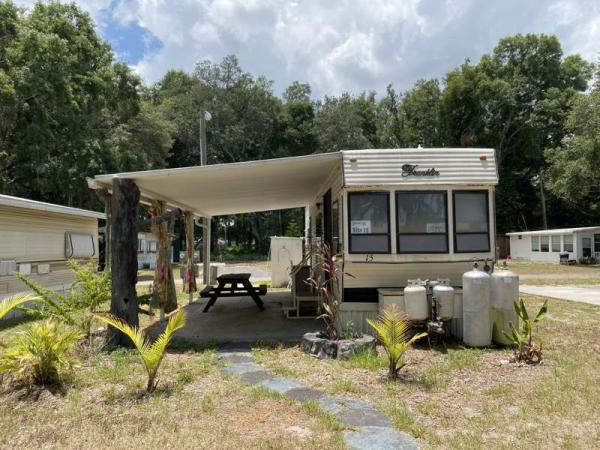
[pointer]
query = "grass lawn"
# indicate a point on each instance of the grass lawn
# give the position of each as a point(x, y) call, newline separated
point(465, 398)
point(539, 273)
point(459, 398)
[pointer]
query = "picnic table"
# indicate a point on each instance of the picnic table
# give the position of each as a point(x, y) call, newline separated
point(233, 285)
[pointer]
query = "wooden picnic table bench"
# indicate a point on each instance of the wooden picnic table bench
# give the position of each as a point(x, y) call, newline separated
point(233, 285)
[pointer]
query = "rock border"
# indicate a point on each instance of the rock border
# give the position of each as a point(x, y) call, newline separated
point(317, 344)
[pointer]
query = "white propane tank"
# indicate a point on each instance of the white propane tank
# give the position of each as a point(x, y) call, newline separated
point(415, 300)
point(477, 329)
point(505, 292)
point(444, 295)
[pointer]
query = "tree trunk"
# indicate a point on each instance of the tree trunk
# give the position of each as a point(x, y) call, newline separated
point(124, 267)
point(543, 200)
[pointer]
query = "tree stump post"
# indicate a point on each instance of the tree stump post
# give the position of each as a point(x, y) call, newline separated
point(124, 265)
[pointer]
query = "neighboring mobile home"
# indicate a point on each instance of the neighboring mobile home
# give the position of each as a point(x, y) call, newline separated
point(548, 245)
point(147, 248)
point(394, 214)
point(37, 239)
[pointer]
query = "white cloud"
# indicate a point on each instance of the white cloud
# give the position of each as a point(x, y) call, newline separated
point(345, 44)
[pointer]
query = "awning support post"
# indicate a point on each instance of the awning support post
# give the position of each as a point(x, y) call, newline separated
point(206, 233)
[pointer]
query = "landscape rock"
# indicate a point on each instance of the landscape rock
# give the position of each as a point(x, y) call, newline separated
point(318, 345)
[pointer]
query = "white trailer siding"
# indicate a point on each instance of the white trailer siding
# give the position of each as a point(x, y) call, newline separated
point(33, 241)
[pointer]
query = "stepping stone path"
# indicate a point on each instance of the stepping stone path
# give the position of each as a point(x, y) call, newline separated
point(368, 429)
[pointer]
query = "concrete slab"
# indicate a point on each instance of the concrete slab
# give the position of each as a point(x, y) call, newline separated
point(242, 368)
point(238, 320)
point(582, 294)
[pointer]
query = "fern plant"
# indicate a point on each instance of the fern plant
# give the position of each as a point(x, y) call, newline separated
point(41, 353)
point(393, 330)
point(151, 354)
point(525, 349)
point(76, 308)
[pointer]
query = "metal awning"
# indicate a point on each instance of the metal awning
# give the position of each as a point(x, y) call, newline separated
point(234, 188)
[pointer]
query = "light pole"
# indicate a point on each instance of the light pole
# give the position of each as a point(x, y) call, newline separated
point(205, 116)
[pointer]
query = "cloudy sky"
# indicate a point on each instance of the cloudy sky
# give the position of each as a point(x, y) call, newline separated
point(334, 45)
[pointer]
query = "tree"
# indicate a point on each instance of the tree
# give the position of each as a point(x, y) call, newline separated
point(62, 97)
point(339, 123)
point(573, 166)
point(514, 100)
point(419, 112)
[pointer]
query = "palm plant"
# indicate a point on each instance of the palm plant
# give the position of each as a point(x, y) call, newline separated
point(525, 349)
point(15, 301)
point(40, 353)
point(152, 354)
point(393, 330)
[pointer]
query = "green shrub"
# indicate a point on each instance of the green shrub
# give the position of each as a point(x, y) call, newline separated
point(40, 354)
point(525, 349)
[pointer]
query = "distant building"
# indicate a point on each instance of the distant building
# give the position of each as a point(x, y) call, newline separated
point(548, 245)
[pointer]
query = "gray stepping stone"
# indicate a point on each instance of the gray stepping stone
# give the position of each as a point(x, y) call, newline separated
point(331, 405)
point(304, 394)
point(379, 438)
point(237, 358)
point(362, 417)
point(280, 385)
point(256, 377)
point(241, 368)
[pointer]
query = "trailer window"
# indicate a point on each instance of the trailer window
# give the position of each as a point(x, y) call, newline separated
point(596, 243)
point(422, 221)
point(535, 243)
point(568, 243)
point(555, 243)
point(545, 243)
point(369, 220)
point(471, 221)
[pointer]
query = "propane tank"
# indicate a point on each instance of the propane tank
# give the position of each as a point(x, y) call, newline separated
point(444, 295)
point(477, 329)
point(415, 300)
point(505, 292)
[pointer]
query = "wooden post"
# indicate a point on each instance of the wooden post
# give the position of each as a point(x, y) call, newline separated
point(189, 280)
point(124, 267)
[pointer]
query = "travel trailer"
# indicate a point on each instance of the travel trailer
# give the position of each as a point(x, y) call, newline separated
point(393, 215)
point(37, 239)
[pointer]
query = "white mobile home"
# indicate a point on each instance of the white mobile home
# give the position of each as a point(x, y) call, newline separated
point(548, 245)
point(394, 214)
point(37, 239)
point(147, 249)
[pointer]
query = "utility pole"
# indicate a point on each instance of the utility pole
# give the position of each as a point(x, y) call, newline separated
point(206, 231)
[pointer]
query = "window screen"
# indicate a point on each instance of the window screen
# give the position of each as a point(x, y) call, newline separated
point(422, 222)
point(471, 221)
point(568, 243)
point(555, 243)
point(545, 243)
point(596, 243)
point(369, 219)
point(78, 245)
point(535, 243)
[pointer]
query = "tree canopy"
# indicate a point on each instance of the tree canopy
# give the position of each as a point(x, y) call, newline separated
point(68, 110)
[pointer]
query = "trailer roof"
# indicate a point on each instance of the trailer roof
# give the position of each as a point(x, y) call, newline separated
point(296, 181)
point(552, 231)
point(25, 203)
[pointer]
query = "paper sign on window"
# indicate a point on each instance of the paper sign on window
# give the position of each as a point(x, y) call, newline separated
point(360, 226)
point(436, 227)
